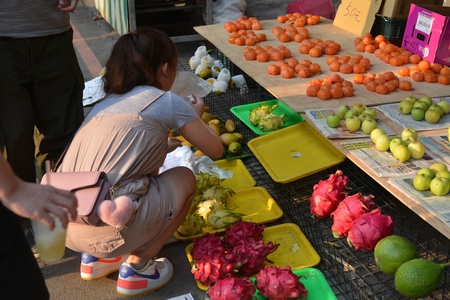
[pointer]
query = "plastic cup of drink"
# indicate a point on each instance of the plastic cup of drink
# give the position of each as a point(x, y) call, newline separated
point(51, 244)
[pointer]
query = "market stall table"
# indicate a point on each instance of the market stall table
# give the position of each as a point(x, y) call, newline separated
point(292, 91)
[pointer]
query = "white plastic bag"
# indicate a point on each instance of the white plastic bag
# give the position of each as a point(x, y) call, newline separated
point(228, 10)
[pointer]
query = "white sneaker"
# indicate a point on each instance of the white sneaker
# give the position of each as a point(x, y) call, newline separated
point(156, 274)
point(93, 268)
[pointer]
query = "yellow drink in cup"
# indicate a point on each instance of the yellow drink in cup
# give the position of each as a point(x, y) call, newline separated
point(51, 245)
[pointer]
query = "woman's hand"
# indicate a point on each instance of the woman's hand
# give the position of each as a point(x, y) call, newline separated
point(173, 143)
point(198, 104)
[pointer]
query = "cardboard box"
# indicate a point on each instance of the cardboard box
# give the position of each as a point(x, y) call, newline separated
point(399, 9)
point(356, 17)
point(427, 33)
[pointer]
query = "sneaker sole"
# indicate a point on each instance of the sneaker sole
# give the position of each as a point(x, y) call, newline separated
point(88, 278)
point(147, 291)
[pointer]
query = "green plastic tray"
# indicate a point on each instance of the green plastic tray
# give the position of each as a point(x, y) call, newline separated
point(295, 152)
point(314, 282)
point(242, 112)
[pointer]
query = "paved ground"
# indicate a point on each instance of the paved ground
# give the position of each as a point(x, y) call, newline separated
point(93, 39)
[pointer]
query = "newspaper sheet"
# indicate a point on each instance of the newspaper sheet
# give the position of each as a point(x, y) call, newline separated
point(438, 145)
point(406, 121)
point(318, 117)
point(383, 163)
point(439, 206)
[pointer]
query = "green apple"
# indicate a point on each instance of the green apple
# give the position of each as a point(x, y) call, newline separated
point(445, 105)
point(445, 174)
point(371, 111)
point(376, 132)
point(349, 113)
point(333, 120)
point(405, 107)
point(353, 123)
point(365, 116)
point(440, 186)
point(402, 153)
point(438, 108)
point(368, 125)
point(411, 98)
point(422, 182)
point(432, 116)
point(426, 171)
point(382, 142)
point(342, 109)
point(395, 141)
point(426, 99)
point(421, 104)
point(418, 114)
point(417, 149)
point(408, 133)
point(437, 167)
point(359, 108)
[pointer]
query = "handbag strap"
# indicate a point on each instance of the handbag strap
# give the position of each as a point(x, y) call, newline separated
point(61, 157)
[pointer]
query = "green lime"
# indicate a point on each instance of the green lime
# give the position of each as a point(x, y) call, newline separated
point(418, 278)
point(392, 251)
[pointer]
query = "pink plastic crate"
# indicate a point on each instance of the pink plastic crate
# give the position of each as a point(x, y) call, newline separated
point(323, 8)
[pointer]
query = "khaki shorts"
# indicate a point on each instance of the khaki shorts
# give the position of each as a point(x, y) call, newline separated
point(153, 213)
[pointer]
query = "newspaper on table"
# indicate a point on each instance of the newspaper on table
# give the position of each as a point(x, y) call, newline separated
point(439, 206)
point(319, 116)
point(383, 163)
point(93, 91)
point(438, 145)
point(406, 121)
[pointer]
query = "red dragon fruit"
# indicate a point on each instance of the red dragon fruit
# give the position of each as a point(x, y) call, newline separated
point(251, 254)
point(369, 229)
point(231, 288)
point(211, 260)
point(327, 194)
point(348, 210)
point(280, 283)
point(242, 230)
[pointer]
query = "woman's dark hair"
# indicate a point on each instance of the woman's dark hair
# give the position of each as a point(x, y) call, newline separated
point(135, 59)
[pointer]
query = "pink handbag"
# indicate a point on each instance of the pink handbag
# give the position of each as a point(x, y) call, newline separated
point(90, 188)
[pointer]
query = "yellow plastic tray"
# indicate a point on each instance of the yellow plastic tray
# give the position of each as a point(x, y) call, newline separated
point(295, 152)
point(295, 250)
point(241, 179)
point(257, 205)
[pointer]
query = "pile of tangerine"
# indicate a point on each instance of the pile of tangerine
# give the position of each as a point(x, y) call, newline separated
point(384, 50)
point(383, 83)
point(288, 67)
point(346, 64)
point(290, 33)
point(426, 71)
point(243, 22)
point(245, 37)
point(332, 86)
point(266, 53)
point(317, 47)
point(298, 19)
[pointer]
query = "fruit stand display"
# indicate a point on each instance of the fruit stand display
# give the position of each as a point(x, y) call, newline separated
point(351, 273)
